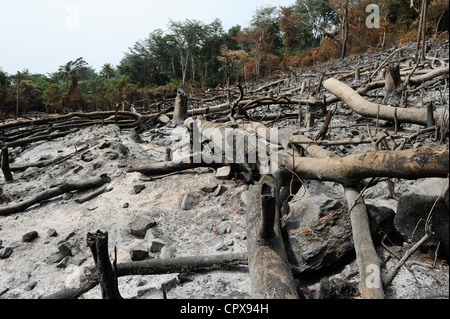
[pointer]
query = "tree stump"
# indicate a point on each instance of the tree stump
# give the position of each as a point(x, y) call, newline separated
point(98, 243)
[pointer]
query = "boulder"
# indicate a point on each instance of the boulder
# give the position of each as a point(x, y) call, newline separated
point(430, 195)
point(308, 210)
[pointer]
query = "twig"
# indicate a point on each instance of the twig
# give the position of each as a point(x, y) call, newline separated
point(394, 271)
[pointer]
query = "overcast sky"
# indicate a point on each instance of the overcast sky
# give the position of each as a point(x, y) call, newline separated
point(41, 35)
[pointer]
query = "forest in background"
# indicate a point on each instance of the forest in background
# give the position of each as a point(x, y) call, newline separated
point(194, 54)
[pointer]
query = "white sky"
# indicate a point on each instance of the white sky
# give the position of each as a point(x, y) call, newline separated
point(41, 35)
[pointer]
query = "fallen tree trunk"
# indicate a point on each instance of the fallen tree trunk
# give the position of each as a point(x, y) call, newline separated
point(157, 267)
point(425, 161)
point(370, 282)
point(270, 272)
point(53, 192)
point(384, 112)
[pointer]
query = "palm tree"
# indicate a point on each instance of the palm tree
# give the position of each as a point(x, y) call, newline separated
point(108, 71)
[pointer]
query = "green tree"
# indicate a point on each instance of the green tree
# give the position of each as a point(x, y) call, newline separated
point(107, 72)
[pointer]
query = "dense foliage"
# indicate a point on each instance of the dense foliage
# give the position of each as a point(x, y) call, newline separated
point(197, 54)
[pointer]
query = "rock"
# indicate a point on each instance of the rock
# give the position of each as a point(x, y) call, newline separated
point(170, 284)
point(223, 172)
point(381, 221)
point(63, 263)
point(65, 249)
point(52, 233)
point(209, 187)
point(77, 169)
point(323, 243)
point(221, 247)
point(126, 205)
point(416, 206)
point(156, 246)
point(219, 190)
point(140, 225)
point(87, 157)
point(337, 288)
point(244, 195)
point(78, 259)
point(167, 252)
point(5, 252)
point(139, 188)
point(308, 210)
point(223, 228)
point(56, 257)
point(135, 136)
point(189, 201)
point(105, 145)
point(138, 252)
point(30, 286)
point(30, 236)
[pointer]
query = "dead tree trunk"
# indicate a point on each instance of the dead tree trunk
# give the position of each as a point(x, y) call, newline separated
point(370, 282)
point(363, 107)
point(5, 165)
point(98, 243)
point(270, 273)
point(53, 192)
point(157, 267)
point(180, 107)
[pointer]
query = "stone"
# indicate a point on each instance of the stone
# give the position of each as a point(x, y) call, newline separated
point(167, 252)
point(87, 157)
point(308, 210)
point(65, 249)
point(219, 190)
point(156, 246)
point(30, 236)
point(414, 208)
point(138, 252)
point(323, 243)
point(139, 188)
point(5, 252)
point(77, 169)
point(189, 201)
point(170, 284)
point(223, 172)
point(63, 263)
point(209, 187)
point(30, 285)
point(221, 247)
point(52, 233)
point(337, 288)
point(140, 225)
point(56, 257)
point(223, 228)
point(126, 205)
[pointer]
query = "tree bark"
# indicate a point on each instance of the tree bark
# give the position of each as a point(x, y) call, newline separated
point(270, 272)
point(180, 108)
point(98, 243)
point(365, 108)
point(425, 161)
point(370, 282)
point(5, 165)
